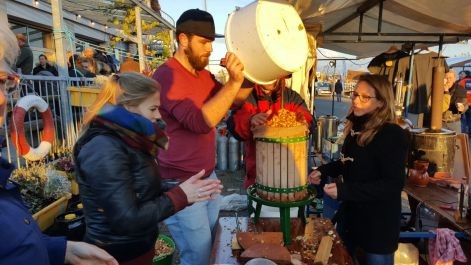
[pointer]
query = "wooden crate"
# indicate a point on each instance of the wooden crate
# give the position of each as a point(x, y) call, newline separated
point(281, 159)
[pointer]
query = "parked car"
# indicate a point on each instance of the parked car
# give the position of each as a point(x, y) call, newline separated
point(323, 88)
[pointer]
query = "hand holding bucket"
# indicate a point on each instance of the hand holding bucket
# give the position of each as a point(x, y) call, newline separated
point(234, 67)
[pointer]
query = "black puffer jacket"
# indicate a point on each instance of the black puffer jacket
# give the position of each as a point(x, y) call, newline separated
point(373, 177)
point(122, 194)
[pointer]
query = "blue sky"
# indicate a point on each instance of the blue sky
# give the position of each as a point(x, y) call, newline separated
point(220, 9)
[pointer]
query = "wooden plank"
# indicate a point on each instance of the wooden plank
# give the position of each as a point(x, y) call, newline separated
point(226, 229)
point(291, 175)
point(270, 179)
point(303, 166)
point(259, 164)
point(433, 197)
point(323, 252)
point(235, 243)
point(248, 239)
point(276, 253)
point(309, 229)
point(265, 168)
point(277, 166)
point(284, 170)
point(297, 177)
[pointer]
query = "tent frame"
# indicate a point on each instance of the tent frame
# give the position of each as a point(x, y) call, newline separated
point(366, 6)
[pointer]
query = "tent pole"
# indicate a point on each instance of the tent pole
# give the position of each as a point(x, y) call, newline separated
point(360, 27)
point(333, 88)
point(380, 16)
point(409, 85)
point(440, 46)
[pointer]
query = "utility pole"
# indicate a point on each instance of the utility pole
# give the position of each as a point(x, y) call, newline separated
point(60, 44)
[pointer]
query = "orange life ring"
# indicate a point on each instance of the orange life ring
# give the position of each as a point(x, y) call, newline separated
point(17, 128)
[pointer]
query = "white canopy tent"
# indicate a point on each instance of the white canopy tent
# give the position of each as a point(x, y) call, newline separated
point(365, 28)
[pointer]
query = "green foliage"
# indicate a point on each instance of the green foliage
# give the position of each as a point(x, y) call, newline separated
point(57, 185)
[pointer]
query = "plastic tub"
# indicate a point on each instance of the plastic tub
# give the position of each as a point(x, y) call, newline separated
point(167, 258)
point(269, 38)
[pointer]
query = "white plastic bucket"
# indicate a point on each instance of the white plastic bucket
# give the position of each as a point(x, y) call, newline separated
point(269, 38)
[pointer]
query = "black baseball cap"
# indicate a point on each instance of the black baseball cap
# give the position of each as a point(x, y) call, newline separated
point(198, 22)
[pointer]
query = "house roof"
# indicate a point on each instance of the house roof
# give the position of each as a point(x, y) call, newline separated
point(365, 28)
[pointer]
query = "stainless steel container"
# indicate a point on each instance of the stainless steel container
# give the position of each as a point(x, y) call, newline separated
point(221, 151)
point(326, 128)
point(233, 155)
point(436, 147)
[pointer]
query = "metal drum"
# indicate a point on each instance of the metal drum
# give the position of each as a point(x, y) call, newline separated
point(436, 147)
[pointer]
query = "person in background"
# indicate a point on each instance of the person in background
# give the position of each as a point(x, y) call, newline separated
point(120, 186)
point(44, 66)
point(369, 176)
point(129, 65)
point(264, 101)
point(25, 59)
point(101, 56)
point(464, 74)
point(465, 81)
point(339, 89)
point(103, 68)
point(192, 104)
point(89, 54)
point(458, 103)
point(23, 243)
point(81, 68)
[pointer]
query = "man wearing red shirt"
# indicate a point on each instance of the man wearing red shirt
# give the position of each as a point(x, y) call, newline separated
point(192, 104)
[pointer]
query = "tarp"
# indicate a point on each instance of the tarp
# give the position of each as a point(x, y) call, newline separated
point(417, 21)
point(459, 61)
point(353, 75)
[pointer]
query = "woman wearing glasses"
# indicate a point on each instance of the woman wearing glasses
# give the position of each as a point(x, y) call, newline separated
point(370, 173)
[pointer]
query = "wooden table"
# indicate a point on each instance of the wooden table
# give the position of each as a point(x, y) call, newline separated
point(222, 252)
point(434, 196)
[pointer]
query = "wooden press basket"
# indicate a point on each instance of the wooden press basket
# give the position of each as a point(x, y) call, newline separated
point(281, 159)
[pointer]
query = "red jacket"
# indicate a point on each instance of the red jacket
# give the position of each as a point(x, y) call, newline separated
point(466, 83)
point(239, 121)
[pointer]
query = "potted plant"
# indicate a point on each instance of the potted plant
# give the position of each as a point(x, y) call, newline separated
point(44, 190)
point(66, 165)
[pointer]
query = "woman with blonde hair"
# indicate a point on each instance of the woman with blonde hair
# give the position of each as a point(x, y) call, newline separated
point(370, 173)
point(117, 171)
point(23, 242)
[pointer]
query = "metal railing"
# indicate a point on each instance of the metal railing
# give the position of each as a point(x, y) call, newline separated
point(67, 99)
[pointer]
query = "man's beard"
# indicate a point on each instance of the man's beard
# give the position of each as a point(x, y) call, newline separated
point(197, 62)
